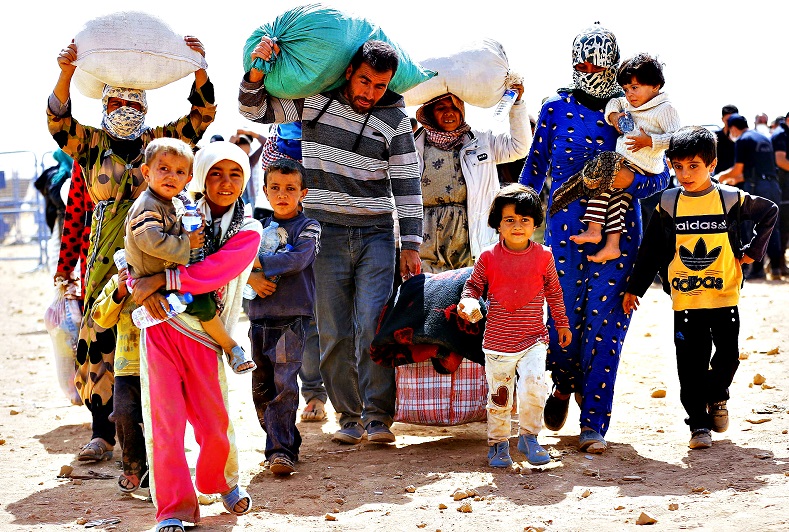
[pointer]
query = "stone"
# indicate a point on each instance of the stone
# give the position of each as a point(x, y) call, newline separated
point(421, 525)
point(206, 499)
point(465, 508)
point(773, 351)
point(658, 393)
point(329, 517)
point(766, 386)
point(759, 379)
point(744, 355)
point(442, 506)
point(620, 507)
point(645, 519)
point(632, 478)
point(410, 489)
point(758, 420)
point(14, 412)
point(673, 506)
point(65, 471)
point(585, 494)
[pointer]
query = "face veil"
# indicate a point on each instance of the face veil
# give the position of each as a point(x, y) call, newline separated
point(596, 45)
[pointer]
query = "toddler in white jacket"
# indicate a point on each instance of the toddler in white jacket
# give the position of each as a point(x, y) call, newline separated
point(645, 119)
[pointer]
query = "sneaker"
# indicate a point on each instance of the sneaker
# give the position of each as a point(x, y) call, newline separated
point(720, 416)
point(378, 432)
point(555, 412)
point(281, 465)
point(351, 432)
point(701, 439)
point(499, 455)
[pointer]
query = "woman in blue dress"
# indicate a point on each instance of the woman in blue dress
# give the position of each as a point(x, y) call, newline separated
point(570, 131)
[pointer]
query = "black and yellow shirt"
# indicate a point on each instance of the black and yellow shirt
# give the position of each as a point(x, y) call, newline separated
point(704, 272)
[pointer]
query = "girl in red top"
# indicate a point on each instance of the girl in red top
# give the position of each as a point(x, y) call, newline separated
point(519, 276)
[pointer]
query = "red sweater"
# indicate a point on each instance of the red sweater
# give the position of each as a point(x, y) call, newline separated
point(518, 284)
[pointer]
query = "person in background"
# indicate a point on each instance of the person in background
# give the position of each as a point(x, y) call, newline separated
point(780, 142)
point(754, 171)
point(725, 144)
point(243, 138)
point(110, 177)
point(358, 174)
point(761, 124)
point(460, 179)
point(571, 130)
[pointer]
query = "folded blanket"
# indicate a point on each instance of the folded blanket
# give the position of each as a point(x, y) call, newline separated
point(420, 322)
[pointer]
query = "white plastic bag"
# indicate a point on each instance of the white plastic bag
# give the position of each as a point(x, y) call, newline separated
point(62, 320)
point(131, 49)
point(475, 73)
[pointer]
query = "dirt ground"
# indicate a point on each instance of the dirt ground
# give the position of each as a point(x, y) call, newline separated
point(742, 482)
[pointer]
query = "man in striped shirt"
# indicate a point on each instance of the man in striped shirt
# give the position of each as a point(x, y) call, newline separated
point(358, 150)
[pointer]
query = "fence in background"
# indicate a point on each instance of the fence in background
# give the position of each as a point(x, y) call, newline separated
point(22, 216)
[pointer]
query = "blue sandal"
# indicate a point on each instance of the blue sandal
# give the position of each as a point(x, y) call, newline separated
point(170, 523)
point(238, 357)
point(233, 497)
point(592, 442)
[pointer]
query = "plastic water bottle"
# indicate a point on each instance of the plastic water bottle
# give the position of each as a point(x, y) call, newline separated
point(269, 244)
point(177, 303)
point(120, 259)
point(502, 108)
point(626, 123)
point(191, 220)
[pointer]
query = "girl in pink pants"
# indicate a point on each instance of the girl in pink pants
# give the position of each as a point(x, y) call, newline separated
point(182, 375)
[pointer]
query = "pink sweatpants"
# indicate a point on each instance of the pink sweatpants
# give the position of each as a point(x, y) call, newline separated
point(183, 380)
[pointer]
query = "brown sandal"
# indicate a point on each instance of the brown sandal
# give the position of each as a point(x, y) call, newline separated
point(97, 450)
point(314, 411)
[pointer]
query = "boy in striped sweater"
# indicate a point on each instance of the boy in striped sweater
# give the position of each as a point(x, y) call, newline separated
point(518, 275)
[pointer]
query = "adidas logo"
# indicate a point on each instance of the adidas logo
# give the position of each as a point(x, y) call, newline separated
point(699, 225)
point(699, 259)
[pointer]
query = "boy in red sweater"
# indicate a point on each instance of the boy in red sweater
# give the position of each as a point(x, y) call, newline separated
point(519, 276)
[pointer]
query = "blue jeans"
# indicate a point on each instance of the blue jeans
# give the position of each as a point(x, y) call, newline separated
point(353, 281)
point(311, 381)
point(277, 347)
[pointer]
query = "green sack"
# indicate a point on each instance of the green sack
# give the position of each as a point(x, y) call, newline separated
point(316, 46)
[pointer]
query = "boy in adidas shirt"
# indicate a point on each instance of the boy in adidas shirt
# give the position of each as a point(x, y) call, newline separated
point(694, 242)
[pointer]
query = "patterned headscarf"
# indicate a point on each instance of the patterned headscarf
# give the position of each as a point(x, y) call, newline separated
point(124, 123)
point(596, 45)
point(443, 140)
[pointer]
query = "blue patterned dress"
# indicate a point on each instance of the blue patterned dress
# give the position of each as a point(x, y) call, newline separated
point(567, 136)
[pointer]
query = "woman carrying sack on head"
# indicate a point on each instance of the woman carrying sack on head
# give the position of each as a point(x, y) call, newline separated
point(110, 159)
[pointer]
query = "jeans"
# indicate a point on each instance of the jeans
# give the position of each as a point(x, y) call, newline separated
point(311, 381)
point(353, 278)
point(705, 378)
point(277, 348)
point(128, 424)
point(771, 190)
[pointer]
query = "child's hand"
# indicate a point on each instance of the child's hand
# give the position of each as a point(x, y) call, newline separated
point(197, 237)
point(468, 309)
point(565, 336)
point(613, 119)
point(630, 303)
point(636, 142)
point(122, 291)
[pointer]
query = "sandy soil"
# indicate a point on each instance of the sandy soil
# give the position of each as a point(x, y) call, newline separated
point(742, 482)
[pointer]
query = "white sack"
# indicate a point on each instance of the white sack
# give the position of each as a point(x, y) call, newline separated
point(131, 49)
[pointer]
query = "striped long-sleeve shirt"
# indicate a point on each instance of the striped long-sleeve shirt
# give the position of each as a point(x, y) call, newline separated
point(518, 284)
point(360, 166)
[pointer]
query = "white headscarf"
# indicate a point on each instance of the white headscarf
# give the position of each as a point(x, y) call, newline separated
point(207, 157)
point(125, 123)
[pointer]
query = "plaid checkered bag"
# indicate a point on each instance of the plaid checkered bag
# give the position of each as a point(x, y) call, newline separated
point(426, 397)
